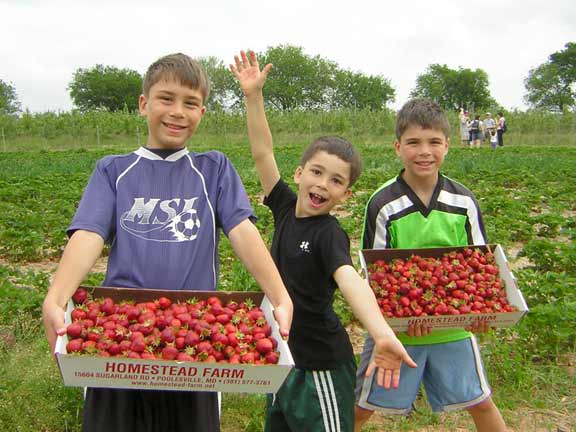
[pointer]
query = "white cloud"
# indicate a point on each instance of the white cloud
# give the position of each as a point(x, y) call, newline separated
point(45, 42)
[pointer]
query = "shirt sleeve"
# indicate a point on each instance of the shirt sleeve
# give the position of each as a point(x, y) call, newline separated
point(232, 203)
point(96, 211)
point(477, 230)
point(279, 198)
point(335, 249)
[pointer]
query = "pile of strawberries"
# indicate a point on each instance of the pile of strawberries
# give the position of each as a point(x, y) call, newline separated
point(460, 282)
point(195, 330)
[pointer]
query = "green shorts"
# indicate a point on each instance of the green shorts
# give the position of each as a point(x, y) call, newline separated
point(314, 401)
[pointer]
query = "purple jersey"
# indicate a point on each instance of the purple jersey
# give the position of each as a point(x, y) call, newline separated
point(162, 217)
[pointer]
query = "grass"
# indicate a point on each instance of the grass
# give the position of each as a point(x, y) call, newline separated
point(527, 197)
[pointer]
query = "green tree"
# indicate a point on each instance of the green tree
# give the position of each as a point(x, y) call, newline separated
point(356, 90)
point(552, 85)
point(453, 89)
point(9, 103)
point(297, 81)
point(222, 84)
point(565, 60)
point(105, 87)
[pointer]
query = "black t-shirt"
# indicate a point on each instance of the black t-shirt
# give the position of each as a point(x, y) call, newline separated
point(307, 252)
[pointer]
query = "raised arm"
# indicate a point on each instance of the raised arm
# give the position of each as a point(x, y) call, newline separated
point(390, 353)
point(251, 79)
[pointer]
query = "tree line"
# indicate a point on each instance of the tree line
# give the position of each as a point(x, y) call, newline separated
point(303, 82)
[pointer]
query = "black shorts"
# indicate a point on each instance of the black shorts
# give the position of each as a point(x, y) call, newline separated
point(318, 401)
point(115, 410)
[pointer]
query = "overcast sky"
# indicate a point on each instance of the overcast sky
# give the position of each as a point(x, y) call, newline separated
point(44, 42)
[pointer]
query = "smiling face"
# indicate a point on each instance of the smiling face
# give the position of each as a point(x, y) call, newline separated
point(422, 152)
point(322, 184)
point(173, 111)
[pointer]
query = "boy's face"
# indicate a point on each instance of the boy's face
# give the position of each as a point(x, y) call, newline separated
point(173, 112)
point(322, 184)
point(422, 152)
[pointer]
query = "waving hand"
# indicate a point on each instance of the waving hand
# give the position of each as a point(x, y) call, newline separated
point(247, 72)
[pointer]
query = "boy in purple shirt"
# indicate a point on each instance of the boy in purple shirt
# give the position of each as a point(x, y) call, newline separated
point(161, 208)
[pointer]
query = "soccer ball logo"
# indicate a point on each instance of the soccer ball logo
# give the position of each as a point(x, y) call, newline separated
point(186, 225)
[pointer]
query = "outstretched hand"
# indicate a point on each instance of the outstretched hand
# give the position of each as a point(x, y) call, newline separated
point(247, 72)
point(388, 358)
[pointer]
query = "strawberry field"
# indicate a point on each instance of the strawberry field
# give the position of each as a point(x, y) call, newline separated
point(526, 193)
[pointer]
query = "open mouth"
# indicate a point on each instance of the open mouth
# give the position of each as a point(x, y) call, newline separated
point(316, 199)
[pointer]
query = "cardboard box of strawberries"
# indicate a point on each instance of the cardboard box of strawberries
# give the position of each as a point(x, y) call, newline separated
point(172, 340)
point(444, 287)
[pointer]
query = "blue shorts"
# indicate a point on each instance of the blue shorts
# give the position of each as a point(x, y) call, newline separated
point(452, 374)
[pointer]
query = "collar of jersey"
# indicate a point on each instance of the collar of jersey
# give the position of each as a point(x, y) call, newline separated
point(425, 211)
point(147, 154)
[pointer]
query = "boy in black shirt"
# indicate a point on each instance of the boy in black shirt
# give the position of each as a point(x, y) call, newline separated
point(312, 253)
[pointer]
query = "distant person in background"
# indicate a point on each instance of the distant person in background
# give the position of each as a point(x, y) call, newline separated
point(476, 132)
point(493, 139)
point(489, 127)
point(464, 134)
point(500, 128)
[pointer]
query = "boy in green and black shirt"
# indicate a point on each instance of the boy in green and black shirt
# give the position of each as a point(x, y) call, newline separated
point(417, 209)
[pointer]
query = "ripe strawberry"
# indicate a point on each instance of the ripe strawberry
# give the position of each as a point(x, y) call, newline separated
point(179, 343)
point(89, 346)
point(228, 351)
point(182, 356)
point(80, 296)
point(132, 313)
point(114, 349)
point(258, 335)
point(138, 345)
point(125, 345)
point(233, 339)
point(264, 346)
point(272, 357)
point(223, 318)
point(167, 336)
point(75, 346)
point(79, 313)
point(441, 309)
point(203, 347)
point(94, 334)
point(191, 338)
point(235, 359)
point(209, 318)
point(169, 352)
point(108, 307)
point(146, 355)
point(164, 302)
point(74, 330)
point(249, 357)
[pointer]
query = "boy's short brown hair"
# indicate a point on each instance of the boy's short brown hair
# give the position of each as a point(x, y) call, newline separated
point(179, 67)
point(422, 112)
point(339, 147)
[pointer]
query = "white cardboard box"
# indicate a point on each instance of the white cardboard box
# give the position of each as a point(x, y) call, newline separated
point(115, 372)
point(502, 319)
